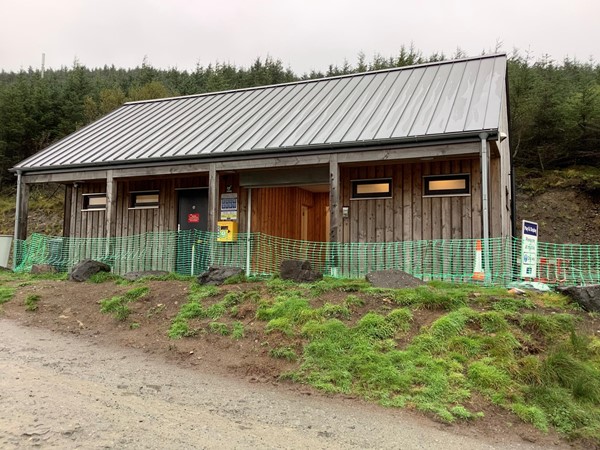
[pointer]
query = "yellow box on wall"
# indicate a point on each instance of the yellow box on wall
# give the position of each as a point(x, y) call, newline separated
point(228, 230)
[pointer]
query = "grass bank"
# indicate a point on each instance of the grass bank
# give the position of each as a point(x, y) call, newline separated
point(447, 350)
point(527, 354)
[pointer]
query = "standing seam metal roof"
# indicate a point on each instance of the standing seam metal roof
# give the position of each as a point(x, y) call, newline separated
point(452, 97)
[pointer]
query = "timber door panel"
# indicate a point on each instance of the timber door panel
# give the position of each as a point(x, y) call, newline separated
point(192, 215)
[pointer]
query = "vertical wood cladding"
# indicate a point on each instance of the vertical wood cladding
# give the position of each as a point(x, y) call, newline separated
point(406, 216)
point(128, 221)
point(409, 216)
point(278, 212)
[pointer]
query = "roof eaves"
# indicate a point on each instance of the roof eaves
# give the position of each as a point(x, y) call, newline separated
point(407, 142)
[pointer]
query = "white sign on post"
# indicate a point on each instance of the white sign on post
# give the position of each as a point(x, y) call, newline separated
point(529, 249)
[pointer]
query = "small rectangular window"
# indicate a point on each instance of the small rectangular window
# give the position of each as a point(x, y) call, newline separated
point(94, 202)
point(374, 188)
point(144, 199)
point(446, 185)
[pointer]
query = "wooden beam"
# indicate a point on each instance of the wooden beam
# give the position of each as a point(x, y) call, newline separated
point(334, 199)
point(306, 158)
point(399, 154)
point(213, 197)
point(67, 177)
point(111, 204)
point(270, 163)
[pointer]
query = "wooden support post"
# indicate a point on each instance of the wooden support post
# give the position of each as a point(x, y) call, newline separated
point(485, 168)
point(335, 219)
point(110, 217)
point(111, 205)
point(334, 198)
point(22, 209)
point(213, 198)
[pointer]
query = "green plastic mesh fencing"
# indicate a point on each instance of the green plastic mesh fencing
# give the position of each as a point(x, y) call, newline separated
point(192, 252)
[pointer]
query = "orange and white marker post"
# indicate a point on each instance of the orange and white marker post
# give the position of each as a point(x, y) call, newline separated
point(478, 273)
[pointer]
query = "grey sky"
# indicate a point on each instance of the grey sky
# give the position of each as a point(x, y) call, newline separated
point(307, 34)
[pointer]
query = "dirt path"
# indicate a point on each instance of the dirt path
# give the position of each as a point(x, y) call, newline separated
point(65, 392)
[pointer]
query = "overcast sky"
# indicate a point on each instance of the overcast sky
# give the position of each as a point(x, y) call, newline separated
point(304, 34)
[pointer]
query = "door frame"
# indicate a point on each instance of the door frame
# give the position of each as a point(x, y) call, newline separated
point(177, 190)
point(180, 244)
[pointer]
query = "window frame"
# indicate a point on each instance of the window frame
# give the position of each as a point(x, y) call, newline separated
point(427, 192)
point(354, 195)
point(134, 204)
point(86, 201)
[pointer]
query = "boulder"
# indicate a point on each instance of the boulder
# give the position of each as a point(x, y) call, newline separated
point(216, 275)
point(86, 268)
point(39, 269)
point(392, 279)
point(299, 271)
point(588, 297)
point(132, 276)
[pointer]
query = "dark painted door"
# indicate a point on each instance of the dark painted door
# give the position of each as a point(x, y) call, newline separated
point(192, 248)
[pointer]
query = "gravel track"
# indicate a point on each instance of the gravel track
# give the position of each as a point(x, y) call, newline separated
point(59, 391)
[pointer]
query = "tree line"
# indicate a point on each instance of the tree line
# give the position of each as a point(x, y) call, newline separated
point(554, 106)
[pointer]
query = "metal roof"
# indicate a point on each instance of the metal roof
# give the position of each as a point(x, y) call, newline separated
point(387, 106)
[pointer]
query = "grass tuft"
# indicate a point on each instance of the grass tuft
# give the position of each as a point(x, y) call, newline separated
point(352, 301)
point(290, 306)
point(219, 328)
point(487, 377)
point(237, 330)
point(532, 415)
point(400, 319)
point(103, 277)
point(286, 353)
point(118, 305)
point(31, 302)
point(199, 292)
point(180, 328)
point(330, 311)
point(6, 294)
point(236, 279)
point(548, 327)
point(512, 304)
point(282, 324)
point(430, 297)
point(375, 326)
point(493, 322)
point(216, 311)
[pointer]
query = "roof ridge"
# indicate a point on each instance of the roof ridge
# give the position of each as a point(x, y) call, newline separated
point(316, 80)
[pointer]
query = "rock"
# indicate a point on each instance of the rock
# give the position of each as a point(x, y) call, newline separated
point(392, 279)
point(86, 268)
point(216, 275)
point(299, 271)
point(588, 297)
point(132, 276)
point(39, 269)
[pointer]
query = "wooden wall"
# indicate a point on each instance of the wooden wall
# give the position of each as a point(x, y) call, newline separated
point(278, 212)
point(80, 223)
point(408, 215)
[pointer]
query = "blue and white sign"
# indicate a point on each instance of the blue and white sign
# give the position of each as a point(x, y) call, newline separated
point(529, 240)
